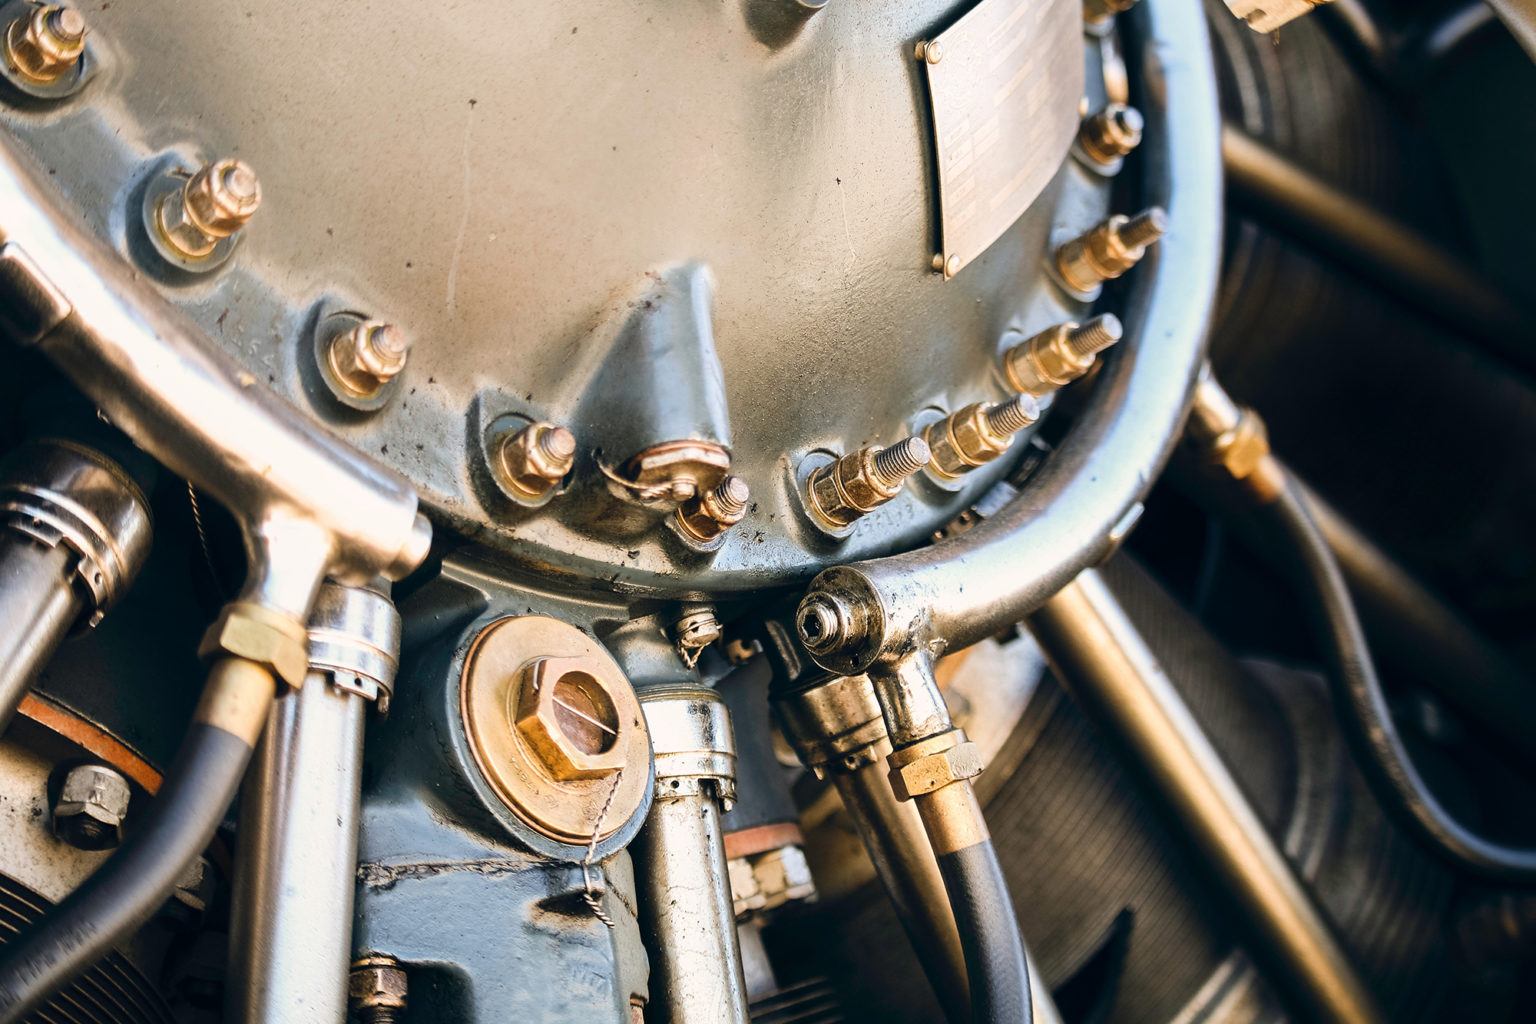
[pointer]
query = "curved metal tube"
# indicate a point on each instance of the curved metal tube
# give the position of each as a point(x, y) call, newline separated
point(964, 589)
point(310, 505)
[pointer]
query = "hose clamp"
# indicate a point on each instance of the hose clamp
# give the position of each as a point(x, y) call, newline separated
point(354, 640)
point(692, 741)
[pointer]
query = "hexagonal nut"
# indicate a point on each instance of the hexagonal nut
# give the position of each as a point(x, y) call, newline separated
point(937, 770)
point(377, 984)
point(569, 719)
point(536, 458)
point(259, 634)
point(1240, 450)
point(92, 804)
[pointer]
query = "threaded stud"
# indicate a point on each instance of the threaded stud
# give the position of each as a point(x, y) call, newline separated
point(1089, 339)
point(902, 460)
point(1010, 417)
point(730, 496)
point(1144, 228)
point(559, 445)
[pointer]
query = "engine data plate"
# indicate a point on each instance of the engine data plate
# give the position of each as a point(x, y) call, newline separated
point(1004, 93)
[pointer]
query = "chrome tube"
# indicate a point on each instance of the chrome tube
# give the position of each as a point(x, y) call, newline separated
point(74, 532)
point(686, 912)
point(295, 877)
point(1107, 667)
point(38, 605)
point(970, 586)
point(310, 504)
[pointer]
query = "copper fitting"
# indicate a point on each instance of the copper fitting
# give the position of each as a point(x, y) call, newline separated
point(46, 44)
point(215, 204)
point(536, 459)
point(1110, 249)
point(1059, 355)
point(709, 515)
point(1108, 136)
point(860, 482)
point(1234, 439)
point(368, 356)
point(977, 434)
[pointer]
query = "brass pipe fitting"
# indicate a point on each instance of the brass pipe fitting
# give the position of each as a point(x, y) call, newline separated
point(1107, 137)
point(215, 204)
point(536, 459)
point(977, 434)
point(46, 44)
point(1110, 249)
point(840, 492)
point(1059, 355)
point(1234, 439)
point(706, 517)
point(254, 633)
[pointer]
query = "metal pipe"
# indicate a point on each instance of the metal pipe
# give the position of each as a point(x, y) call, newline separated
point(1065, 519)
point(840, 735)
point(686, 910)
point(295, 878)
point(38, 605)
point(1414, 269)
point(310, 505)
point(1108, 668)
point(74, 531)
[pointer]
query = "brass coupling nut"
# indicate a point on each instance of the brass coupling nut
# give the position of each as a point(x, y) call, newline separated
point(933, 763)
point(977, 434)
point(258, 634)
point(1234, 438)
point(1059, 355)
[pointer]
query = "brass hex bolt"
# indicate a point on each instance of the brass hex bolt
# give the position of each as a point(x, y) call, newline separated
point(215, 204)
point(1059, 355)
point(536, 458)
point(46, 44)
point(569, 719)
point(377, 990)
point(860, 482)
point(1111, 134)
point(1109, 250)
point(977, 434)
point(368, 356)
point(707, 516)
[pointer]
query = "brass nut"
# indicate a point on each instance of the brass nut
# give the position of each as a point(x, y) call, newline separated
point(377, 983)
point(1110, 135)
point(368, 356)
point(841, 492)
point(47, 43)
point(214, 204)
point(1059, 355)
point(535, 459)
point(567, 715)
point(1109, 250)
point(707, 516)
point(1242, 449)
point(977, 434)
point(258, 634)
point(934, 763)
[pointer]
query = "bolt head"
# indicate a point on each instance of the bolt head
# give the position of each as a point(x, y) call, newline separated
point(566, 714)
point(381, 349)
point(92, 804)
point(47, 43)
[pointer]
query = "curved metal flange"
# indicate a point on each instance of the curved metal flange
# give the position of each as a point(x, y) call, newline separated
point(968, 587)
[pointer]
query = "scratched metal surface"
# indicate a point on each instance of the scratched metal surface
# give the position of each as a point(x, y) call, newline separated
point(1004, 100)
point(503, 179)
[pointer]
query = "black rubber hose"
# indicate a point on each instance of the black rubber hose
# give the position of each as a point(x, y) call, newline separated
point(989, 935)
point(1367, 721)
point(135, 882)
